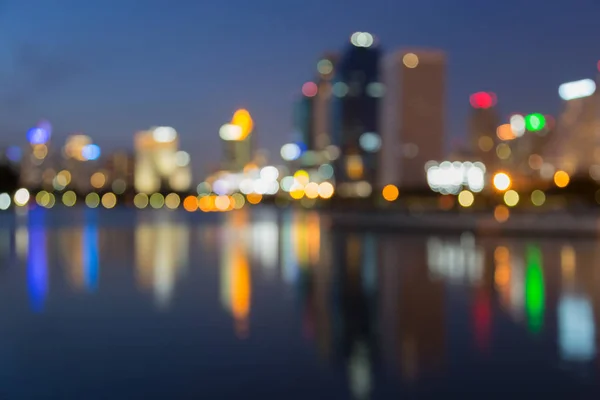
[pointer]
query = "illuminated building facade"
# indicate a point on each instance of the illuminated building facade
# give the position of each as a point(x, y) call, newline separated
point(575, 147)
point(355, 125)
point(412, 116)
point(238, 141)
point(483, 123)
point(158, 163)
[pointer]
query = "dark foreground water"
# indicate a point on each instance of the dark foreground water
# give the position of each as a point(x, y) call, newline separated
point(119, 304)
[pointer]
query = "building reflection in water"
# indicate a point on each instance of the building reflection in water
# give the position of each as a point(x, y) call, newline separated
point(236, 281)
point(576, 326)
point(89, 250)
point(264, 243)
point(162, 253)
point(37, 260)
point(458, 262)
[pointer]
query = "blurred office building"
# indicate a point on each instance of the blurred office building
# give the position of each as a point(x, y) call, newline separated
point(355, 125)
point(483, 125)
point(575, 147)
point(159, 164)
point(412, 116)
point(238, 141)
point(120, 166)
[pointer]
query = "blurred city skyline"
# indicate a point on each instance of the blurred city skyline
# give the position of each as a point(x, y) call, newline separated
point(111, 69)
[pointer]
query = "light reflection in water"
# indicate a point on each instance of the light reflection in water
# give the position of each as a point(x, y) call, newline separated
point(161, 255)
point(534, 289)
point(236, 282)
point(460, 262)
point(576, 328)
point(89, 250)
point(37, 262)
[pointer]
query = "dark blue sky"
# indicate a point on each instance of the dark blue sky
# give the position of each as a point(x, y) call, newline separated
point(110, 67)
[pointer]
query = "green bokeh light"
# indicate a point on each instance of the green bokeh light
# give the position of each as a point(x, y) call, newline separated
point(535, 122)
point(534, 289)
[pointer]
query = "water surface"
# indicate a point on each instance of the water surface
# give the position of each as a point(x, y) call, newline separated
point(126, 304)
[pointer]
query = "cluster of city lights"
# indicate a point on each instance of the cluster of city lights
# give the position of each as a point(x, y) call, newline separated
point(451, 177)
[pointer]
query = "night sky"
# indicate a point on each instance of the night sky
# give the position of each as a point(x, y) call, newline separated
point(111, 67)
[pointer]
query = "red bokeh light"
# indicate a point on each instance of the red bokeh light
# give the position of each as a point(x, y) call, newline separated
point(598, 65)
point(310, 89)
point(483, 100)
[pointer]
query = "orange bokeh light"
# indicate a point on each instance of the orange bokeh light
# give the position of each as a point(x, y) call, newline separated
point(254, 198)
point(243, 119)
point(190, 203)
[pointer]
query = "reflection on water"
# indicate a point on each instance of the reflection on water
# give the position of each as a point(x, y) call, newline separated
point(377, 314)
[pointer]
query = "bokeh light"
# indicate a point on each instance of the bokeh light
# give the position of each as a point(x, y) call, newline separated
point(538, 198)
point(141, 200)
point(254, 198)
point(302, 177)
point(511, 198)
point(290, 152)
point(90, 152)
point(466, 198)
point(172, 201)
point(535, 161)
point(501, 213)
point(164, 134)
point(390, 192)
point(40, 151)
point(482, 100)
point(310, 89)
point(109, 200)
point(501, 181)
point(98, 180)
point(243, 119)
point(222, 203)
point(503, 151)
point(505, 132)
point(325, 67)
point(297, 191)
point(92, 200)
point(21, 197)
point(311, 190)
point(4, 201)
point(410, 60)
point(190, 203)
point(485, 143)
point(535, 122)
point(561, 179)
point(370, 142)
point(69, 198)
point(157, 200)
point(517, 125)
point(238, 201)
point(326, 190)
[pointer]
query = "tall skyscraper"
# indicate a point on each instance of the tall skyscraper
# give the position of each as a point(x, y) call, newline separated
point(575, 147)
point(355, 124)
point(238, 141)
point(412, 116)
point(483, 123)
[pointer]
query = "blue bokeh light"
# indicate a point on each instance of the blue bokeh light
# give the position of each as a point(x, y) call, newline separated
point(14, 154)
point(90, 152)
point(38, 135)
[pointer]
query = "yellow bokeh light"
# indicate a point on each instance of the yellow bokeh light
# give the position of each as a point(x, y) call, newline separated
point(63, 178)
point(326, 190)
point(503, 151)
point(502, 254)
point(238, 201)
point(485, 143)
point(302, 177)
point(109, 200)
point(172, 201)
point(354, 167)
point(466, 198)
point(141, 200)
point(98, 180)
point(511, 198)
point(157, 200)
point(390, 192)
point(92, 200)
point(51, 200)
point(40, 151)
point(538, 198)
point(254, 198)
point(311, 190)
point(501, 181)
point(561, 179)
point(410, 60)
point(243, 119)
point(501, 213)
point(190, 203)
point(222, 203)
point(297, 192)
point(206, 203)
point(42, 198)
point(69, 198)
